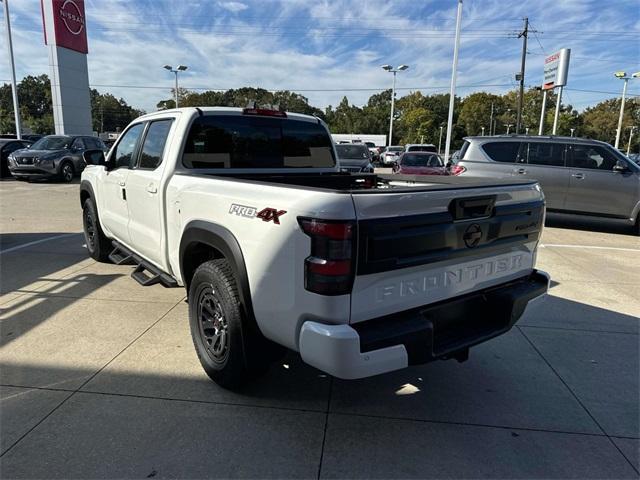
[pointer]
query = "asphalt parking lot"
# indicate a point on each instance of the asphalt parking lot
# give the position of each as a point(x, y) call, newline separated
point(99, 378)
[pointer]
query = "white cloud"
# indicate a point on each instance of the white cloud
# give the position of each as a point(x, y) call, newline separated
point(328, 49)
point(234, 7)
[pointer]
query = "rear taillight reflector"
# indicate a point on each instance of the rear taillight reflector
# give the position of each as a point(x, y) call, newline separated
point(328, 267)
point(329, 270)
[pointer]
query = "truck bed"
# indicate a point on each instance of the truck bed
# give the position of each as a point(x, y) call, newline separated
point(342, 182)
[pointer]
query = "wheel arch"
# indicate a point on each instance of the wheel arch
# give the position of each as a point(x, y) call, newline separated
point(86, 191)
point(202, 241)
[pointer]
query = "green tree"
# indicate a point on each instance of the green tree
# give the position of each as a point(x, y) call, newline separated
point(110, 114)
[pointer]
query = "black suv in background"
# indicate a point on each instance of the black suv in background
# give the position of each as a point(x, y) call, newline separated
point(54, 156)
point(7, 147)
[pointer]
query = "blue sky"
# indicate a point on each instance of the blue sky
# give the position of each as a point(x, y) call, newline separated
point(326, 49)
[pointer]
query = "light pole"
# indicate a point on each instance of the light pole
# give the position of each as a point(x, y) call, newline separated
point(625, 77)
point(389, 68)
point(180, 68)
point(440, 141)
point(508, 125)
point(482, 131)
point(14, 87)
point(633, 129)
point(572, 130)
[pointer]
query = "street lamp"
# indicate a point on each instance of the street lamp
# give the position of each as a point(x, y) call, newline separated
point(625, 77)
point(440, 141)
point(572, 130)
point(482, 131)
point(508, 125)
point(180, 68)
point(390, 69)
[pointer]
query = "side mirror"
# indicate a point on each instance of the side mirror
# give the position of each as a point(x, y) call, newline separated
point(94, 157)
point(621, 166)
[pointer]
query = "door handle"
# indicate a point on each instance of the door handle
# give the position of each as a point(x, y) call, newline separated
point(521, 171)
point(579, 176)
point(151, 188)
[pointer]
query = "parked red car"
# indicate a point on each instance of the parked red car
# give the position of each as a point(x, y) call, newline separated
point(420, 163)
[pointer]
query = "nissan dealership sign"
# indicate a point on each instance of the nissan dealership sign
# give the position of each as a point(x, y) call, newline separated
point(556, 69)
point(69, 24)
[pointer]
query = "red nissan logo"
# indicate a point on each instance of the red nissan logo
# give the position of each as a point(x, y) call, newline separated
point(71, 16)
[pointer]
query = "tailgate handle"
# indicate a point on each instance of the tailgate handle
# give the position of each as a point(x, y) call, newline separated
point(473, 207)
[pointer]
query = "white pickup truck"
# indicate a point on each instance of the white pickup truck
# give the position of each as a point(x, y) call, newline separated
point(360, 273)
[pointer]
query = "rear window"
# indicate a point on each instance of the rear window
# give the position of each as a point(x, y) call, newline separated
point(422, 148)
point(461, 153)
point(229, 141)
point(352, 152)
point(506, 152)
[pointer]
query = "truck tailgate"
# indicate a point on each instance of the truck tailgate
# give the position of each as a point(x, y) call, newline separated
point(417, 248)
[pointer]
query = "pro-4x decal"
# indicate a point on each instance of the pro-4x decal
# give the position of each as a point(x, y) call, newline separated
point(266, 214)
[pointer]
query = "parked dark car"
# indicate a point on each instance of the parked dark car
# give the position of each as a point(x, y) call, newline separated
point(420, 163)
point(354, 157)
point(8, 146)
point(54, 156)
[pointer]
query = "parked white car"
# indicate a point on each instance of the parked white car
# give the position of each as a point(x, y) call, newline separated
point(277, 249)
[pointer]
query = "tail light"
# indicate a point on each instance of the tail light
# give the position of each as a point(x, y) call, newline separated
point(329, 270)
point(264, 112)
point(457, 169)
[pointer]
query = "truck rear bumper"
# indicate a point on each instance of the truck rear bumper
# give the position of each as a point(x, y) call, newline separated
point(439, 331)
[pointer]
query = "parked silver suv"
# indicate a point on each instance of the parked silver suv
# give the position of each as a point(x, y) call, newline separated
point(577, 175)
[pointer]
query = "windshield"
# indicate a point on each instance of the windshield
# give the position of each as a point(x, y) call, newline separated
point(395, 149)
point(352, 152)
point(370, 144)
point(52, 143)
point(421, 161)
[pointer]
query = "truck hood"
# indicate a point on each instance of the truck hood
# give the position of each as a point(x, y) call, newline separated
point(28, 153)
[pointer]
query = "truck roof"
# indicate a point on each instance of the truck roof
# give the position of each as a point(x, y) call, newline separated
point(224, 111)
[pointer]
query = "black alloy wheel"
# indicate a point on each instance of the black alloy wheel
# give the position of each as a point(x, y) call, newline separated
point(213, 324)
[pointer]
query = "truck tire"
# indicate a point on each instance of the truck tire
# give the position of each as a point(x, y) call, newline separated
point(66, 172)
point(220, 334)
point(98, 245)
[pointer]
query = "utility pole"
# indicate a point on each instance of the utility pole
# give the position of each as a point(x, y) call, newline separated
point(633, 129)
point(524, 34)
point(14, 86)
point(491, 120)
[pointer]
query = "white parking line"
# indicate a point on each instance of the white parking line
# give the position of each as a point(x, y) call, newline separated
point(25, 245)
point(589, 247)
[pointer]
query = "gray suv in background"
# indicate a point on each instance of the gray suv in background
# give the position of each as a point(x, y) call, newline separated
point(53, 156)
point(578, 176)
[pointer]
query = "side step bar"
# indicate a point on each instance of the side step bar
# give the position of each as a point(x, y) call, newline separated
point(144, 273)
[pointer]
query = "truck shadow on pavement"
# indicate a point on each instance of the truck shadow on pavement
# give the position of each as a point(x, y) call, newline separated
point(591, 224)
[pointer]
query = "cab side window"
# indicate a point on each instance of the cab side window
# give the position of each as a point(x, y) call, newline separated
point(551, 154)
point(593, 157)
point(123, 155)
point(154, 143)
